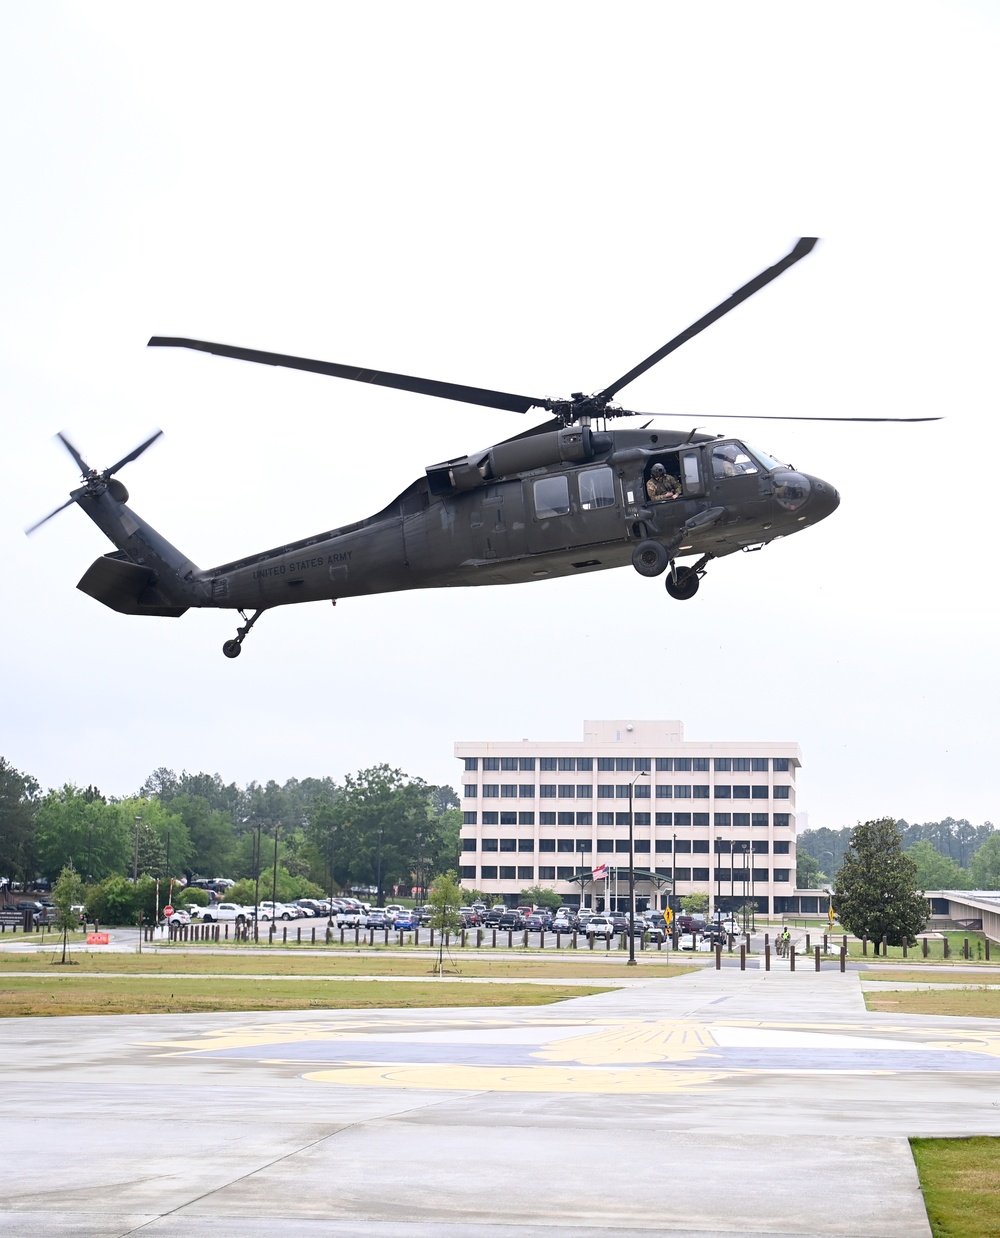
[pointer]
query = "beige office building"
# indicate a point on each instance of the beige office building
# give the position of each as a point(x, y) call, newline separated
point(713, 817)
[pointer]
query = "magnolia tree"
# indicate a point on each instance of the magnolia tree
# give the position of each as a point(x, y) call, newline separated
point(876, 892)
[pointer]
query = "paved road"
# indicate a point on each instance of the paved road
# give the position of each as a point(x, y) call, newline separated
point(716, 1104)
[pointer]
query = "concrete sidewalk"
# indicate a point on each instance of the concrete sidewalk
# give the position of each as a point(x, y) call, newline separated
point(715, 1104)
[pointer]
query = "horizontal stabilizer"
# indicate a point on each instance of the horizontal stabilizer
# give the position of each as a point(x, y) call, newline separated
point(126, 587)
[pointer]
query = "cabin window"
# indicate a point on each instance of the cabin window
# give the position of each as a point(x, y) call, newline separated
point(597, 488)
point(691, 471)
point(551, 497)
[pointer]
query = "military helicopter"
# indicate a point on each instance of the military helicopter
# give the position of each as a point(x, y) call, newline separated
point(564, 498)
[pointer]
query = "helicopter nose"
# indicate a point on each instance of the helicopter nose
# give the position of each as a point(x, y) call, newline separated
point(825, 499)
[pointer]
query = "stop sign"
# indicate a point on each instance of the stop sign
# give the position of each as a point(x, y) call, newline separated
point(168, 911)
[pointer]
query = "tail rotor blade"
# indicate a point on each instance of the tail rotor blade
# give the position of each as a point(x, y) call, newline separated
point(38, 523)
point(132, 455)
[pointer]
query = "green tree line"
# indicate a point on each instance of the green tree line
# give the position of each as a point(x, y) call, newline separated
point(379, 830)
point(948, 855)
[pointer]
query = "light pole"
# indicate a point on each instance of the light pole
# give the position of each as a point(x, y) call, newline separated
point(378, 868)
point(135, 858)
point(631, 869)
point(274, 874)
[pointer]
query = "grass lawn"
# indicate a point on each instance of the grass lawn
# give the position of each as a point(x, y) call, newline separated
point(935, 977)
point(239, 963)
point(960, 1179)
point(81, 994)
point(973, 1003)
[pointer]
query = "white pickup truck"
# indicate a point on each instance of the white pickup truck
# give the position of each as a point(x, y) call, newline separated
point(222, 912)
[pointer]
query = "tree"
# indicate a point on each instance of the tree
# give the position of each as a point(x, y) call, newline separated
point(18, 802)
point(984, 869)
point(67, 893)
point(542, 896)
point(875, 892)
point(934, 870)
point(695, 904)
point(807, 871)
point(445, 900)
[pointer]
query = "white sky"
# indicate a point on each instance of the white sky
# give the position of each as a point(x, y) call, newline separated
point(532, 197)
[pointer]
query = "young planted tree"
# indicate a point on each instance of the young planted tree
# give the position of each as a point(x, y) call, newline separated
point(67, 893)
point(445, 900)
point(876, 892)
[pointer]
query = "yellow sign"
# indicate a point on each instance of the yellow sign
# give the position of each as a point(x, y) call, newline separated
point(668, 917)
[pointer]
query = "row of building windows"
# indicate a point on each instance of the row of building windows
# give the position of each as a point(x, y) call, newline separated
point(758, 765)
point(723, 846)
point(682, 820)
point(526, 872)
point(624, 791)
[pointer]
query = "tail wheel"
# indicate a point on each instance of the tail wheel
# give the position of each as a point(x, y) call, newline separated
point(683, 583)
point(650, 558)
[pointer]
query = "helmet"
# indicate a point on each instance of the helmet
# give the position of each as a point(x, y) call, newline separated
point(658, 470)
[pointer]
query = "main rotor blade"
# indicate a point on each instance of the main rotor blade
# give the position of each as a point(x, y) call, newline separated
point(132, 455)
point(774, 417)
point(803, 246)
point(81, 464)
point(38, 523)
point(381, 378)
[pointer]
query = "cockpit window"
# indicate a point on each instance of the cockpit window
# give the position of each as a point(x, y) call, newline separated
point(767, 461)
point(732, 460)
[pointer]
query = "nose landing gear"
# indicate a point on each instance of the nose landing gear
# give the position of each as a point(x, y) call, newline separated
point(233, 648)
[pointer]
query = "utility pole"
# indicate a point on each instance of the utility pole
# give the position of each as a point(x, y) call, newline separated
point(631, 869)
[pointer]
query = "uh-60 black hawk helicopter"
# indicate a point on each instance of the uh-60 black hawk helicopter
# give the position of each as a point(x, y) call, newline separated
point(562, 499)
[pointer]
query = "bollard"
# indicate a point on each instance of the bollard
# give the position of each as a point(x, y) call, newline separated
point(817, 957)
point(494, 939)
point(791, 956)
point(416, 936)
point(864, 946)
point(479, 938)
point(386, 942)
point(924, 945)
point(400, 937)
point(826, 944)
point(947, 949)
point(510, 939)
point(329, 935)
point(314, 935)
point(843, 958)
point(607, 943)
point(524, 940)
point(574, 943)
point(541, 939)
point(298, 935)
point(463, 938)
point(808, 946)
point(743, 956)
point(284, 936)
point(965, 949)
point(885, 946)
point(718, 956)
point(590, 940)
point(432, 939)
point(905, 955)
point(729, 940)
point(558, 939)
point(675, 942)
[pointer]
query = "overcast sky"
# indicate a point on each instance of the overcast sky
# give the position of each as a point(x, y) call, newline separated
point(531, 197)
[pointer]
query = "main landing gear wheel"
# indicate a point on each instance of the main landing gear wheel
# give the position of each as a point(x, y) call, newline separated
point(232, 648)
point(650, 558)
point(682, 583)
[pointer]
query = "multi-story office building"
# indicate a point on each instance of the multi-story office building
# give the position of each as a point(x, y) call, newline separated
point(712, 817)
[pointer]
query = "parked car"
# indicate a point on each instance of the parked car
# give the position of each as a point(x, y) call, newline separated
point(536, 924)
point(601, 926)
point(511, 919)
point(492, 918)
point(278, 911)
point(176, 918)
point(562, 924)
point(226, 912)
point(407, 921)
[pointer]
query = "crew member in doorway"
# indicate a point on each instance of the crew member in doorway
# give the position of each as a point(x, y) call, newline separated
point(662, 485)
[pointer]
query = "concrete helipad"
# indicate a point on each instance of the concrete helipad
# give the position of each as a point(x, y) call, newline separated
point(716, 1104)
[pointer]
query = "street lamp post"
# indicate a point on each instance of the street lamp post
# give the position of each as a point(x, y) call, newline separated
point(631, 869)
point(135, 859)
point(274, 874)
point(378, 868)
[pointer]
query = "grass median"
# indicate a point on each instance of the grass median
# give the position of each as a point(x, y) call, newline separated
point(960, 1180)
point(970, 1003)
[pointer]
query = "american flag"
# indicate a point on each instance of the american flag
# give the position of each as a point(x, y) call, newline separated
point(600, 872)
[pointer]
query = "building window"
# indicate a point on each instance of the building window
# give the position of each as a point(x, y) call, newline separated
point(488, 872)
point(643, 764)
point(546, 874)
point(722, 874)
point(758, 820)
point(508, 844)
point(508, 818)
point(525, 818)
point(682, 765)
point(525, 844)
point(621, 846)
point(641, 844)
point(682, 874)
point(723, 765)
point(546, 844)
point(741, 791)
point(781, 793)
point(699, 844)
point(781, 848)
point(471, 791)
point(781, 874)
point(641, 791)
point(642, 818)
point(567, 791)
point(605, 818)
point(564, 873)
point(759, 765)
point(547, 792)
point(624, 764)
point(760, 874)
point(470, 818)
point(508, 790)
point(760, 846)
point(508, 763)
point(546, 818)
point(723, 818)
point(605, 792)
point(741, 765)
point(664, 792)
point(701, 791)
point(605, 844)
point(606, 763)
point(585, 818)
point(468, 844)
point(584, 844)
point(682, 792)
point(564, 844)
point(584, 791)
point(699, 874)
point(566, 818)
point(682, 844)
point(782, 819)
point(664, 818)
point(491, 790)
point(491, 762)
point(524, 763)
point(701, 818)
point(491, 818)
point(489, 844)
point(621, 818)
point(547, 763)
point(467, 872)
point(780, 765)
point(759, 793)
point(682, 819)
point(664, 764)
point(471, 763)
point(664, 844)
point(722, 846)
point(526, 790)
point(741, 820)
point(525, 872)
point(723, 792)
point(664, 872)
point(700, 765)
point(507, 872)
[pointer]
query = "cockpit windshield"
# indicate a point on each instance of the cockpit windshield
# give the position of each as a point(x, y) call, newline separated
point(768, 462)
